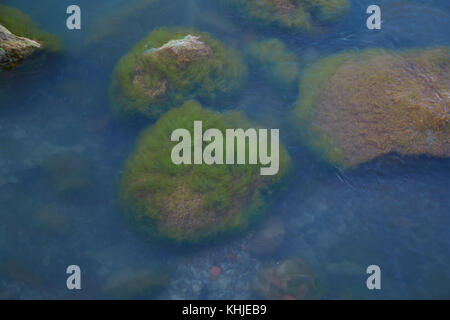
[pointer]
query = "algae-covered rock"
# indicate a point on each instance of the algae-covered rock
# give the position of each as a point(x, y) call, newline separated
point(132, 284)
point(306, 15)
point(192, 202)
point(171, 66)
point(20, 38)
point(14, 49)
point(278, 64)
point(355, 106)
point(288, 280)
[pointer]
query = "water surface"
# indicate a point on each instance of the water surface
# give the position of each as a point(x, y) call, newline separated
point(393, 211)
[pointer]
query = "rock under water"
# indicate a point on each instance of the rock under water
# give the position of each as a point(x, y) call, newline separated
point(14, 49)
point(355, 106)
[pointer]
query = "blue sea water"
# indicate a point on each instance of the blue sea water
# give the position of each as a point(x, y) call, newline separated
point(393, 212)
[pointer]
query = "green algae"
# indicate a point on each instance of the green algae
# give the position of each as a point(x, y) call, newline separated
point(311, 85)
point(192, 203)
point(173, 80)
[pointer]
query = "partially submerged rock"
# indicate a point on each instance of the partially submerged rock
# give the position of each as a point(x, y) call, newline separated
point(288, 280)
point(20, 38)
point(306, 15)
point(14, 49)
point(183, 51)
point(171, 66)
point(355, 106)
point(188, 49)
point(192, 203)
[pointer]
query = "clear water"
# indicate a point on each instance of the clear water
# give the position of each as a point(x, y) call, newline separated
point(393, 212)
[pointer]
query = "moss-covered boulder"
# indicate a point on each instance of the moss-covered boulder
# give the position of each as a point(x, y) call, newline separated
point(355, 106)
point(288, 280)
point(192, 202)
point(305, 15)
point(20, 38)
point(278, 65)
point(171, 66)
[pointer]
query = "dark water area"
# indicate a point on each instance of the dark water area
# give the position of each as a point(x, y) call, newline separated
point(393, 211)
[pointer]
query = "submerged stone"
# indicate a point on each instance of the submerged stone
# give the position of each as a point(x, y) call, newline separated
point(288, 280)
point(306, 15)
point(355, 106)
point(136, 284)
point(279, 66)
point(53, 220)
point(195, 202)
point(267, 240)
point(21, 273)
point(68, 173)
point(171, 66)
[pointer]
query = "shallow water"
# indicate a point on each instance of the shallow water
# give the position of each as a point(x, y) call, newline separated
point(393, 211)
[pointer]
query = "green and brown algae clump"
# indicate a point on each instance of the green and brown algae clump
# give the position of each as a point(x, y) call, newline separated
point(20, 38)
point(305, 15)
point(192, 203)
point(171, 66)
point(355, 106)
